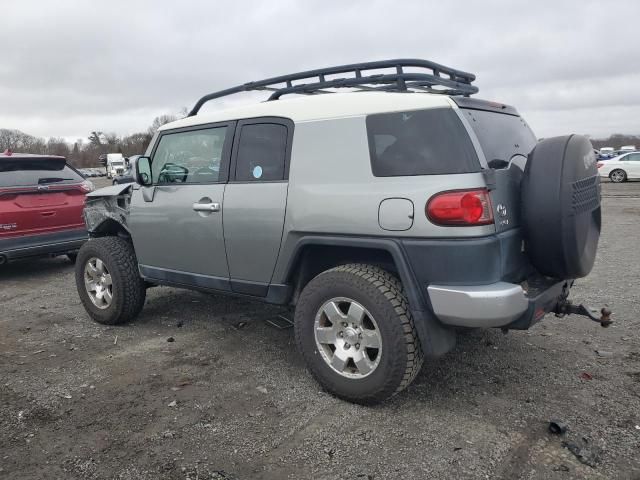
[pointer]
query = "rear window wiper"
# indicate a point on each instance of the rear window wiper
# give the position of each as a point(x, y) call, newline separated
point(52, 180)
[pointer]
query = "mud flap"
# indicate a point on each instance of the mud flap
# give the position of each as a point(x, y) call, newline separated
point(436, 340)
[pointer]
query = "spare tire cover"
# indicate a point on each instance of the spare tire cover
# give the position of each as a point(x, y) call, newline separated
point(561, 207)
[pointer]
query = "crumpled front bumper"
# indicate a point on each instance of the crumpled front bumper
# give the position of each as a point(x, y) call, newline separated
point(500, 304)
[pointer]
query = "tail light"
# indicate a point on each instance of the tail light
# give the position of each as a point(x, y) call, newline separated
point(87, 186)
point(599, 164)
point(460, 208)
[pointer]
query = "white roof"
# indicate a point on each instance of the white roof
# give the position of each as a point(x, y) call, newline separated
point(321, 107)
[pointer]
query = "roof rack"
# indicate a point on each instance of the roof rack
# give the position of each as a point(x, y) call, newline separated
point(455, 82)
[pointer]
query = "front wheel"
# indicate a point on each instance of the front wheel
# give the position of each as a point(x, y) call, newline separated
point(108, 282)
point(356, 334)
point(618, 176)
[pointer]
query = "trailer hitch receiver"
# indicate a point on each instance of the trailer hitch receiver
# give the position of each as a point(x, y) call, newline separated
point(565, 307)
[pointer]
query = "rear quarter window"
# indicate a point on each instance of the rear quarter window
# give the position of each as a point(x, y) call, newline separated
point(24, 173)
point(420, 142)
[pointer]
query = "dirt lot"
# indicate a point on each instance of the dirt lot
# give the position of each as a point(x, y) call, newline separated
point(230, 398)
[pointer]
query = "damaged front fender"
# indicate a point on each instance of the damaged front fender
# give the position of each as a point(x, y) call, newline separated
point(106, 210)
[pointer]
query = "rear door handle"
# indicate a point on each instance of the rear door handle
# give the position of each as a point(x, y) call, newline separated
point(206, 207)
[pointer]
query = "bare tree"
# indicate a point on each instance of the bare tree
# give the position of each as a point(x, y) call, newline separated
point(161, 120)
point(95, 138)
point(58, 146)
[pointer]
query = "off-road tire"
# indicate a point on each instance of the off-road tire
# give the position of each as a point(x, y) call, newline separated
point(129, 290)
point(381, 294)
point(616, 178)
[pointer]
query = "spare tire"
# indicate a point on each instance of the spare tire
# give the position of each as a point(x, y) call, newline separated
point(561, 207)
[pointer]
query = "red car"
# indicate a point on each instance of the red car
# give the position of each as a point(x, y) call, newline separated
point(41, 202)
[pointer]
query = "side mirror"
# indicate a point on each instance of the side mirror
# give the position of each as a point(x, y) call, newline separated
point(143, 171)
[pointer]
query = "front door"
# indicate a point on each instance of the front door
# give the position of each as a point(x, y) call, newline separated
point(176, 223)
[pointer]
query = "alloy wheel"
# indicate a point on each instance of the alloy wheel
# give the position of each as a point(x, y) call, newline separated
point(97, 281)
point(348, 338)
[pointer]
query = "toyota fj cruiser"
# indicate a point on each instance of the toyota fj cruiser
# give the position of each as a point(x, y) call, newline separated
point(388, 216)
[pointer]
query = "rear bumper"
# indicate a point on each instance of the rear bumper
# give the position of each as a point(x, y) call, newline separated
point(43, 244)
point(499, 304)
point(482, 282)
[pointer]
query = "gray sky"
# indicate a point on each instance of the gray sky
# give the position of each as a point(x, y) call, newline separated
point(69, 67)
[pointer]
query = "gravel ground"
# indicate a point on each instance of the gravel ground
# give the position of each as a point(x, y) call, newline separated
point(229, 398)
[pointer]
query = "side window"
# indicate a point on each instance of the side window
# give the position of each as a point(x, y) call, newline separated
point(420, 142)
point(261, 152)
point(634, 157)
point(189, 157)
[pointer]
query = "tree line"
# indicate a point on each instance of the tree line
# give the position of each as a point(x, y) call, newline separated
point(83, 152)
point(616, 141)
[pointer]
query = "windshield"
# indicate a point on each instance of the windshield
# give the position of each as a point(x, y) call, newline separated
point(501, 136)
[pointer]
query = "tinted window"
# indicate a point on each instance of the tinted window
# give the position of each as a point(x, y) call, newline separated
point(501, 136)
point(261, 152)
point(23, 172)
point(189, 157)
point(423, 142)
point(634, 157)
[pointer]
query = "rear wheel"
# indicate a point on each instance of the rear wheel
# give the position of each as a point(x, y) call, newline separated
point(108, 282)
point(355, 331)
point(618, 176)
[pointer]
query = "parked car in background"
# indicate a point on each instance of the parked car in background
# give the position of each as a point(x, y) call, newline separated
point(41, 204)
point(605, 153)
point(129, 175)
point(628, 148)
point(88, 172)
point(622, 168)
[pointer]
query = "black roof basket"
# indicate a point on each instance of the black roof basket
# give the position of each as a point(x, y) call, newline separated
point(455, 82)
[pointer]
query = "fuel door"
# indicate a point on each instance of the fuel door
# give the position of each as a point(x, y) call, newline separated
point(395, 214)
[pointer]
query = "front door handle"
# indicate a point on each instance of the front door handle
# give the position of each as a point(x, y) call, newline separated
point(206, 207)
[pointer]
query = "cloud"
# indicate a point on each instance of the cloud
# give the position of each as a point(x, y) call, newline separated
point(70, 67)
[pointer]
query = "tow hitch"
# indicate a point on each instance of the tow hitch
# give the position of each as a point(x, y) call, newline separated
point(565, 307)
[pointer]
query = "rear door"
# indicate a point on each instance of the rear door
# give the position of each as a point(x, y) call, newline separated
point(39, 195)
point(506, 140)
point(255, 202)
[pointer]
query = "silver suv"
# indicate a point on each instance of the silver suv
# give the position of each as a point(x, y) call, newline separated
point(389, 216)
